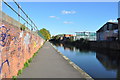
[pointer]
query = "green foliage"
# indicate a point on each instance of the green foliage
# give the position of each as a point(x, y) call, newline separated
point(30, 60)
point(22, 28)
point(20, 72)
point(56, 37)
point(14, 78)
point(45, 33)
point(70, 39)
point(82, 39)
point(34, 54)
point(26, 64)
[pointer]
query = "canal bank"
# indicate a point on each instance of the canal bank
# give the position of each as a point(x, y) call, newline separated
point(109, 45)
point(84, 74)
point(103, 65)
point(50, 64)
point(93, 45)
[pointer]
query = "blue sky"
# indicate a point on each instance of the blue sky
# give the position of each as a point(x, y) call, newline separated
point(119, 9)
point(64, 0)
point(68, 17)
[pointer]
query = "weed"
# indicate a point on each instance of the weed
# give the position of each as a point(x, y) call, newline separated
point(22, 28)
point(20, 72)
point(14, 78)
point(26, 64)
point(30, 60)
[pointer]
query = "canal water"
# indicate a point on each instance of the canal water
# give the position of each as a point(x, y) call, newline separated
point(98, 64)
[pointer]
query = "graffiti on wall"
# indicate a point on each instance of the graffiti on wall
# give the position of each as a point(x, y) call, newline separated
point(3, 35)
point(13, 42)
point(35, 44)
point(1, 66)
point(21, 34)
point(27, 39)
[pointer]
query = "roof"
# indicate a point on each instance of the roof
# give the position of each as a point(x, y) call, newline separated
point(106, 24)
point(118, 18)
point(112, 22)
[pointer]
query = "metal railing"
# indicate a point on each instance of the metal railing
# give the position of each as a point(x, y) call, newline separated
point(28, 20)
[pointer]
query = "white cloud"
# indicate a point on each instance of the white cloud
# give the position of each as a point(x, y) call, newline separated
point(68, 12)
point(67, 22)
point(111, 20)
point(54, 17)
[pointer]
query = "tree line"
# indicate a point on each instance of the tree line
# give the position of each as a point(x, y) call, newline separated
point(45, 33)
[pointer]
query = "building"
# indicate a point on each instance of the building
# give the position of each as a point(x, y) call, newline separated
point(86, 35)
point(108, 32)
point(64, 37)
point(68, 36)
point(119, 29)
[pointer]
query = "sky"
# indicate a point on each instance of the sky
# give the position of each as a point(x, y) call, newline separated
point(119, 9)
point(64, 0)
point(68, 17)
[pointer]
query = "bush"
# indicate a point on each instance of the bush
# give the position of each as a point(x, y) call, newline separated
point(45, 33)
point(14, 78)
point(30, 60)
point(22, 28)
point(26, 64)
point(19, 72)
point(34, 55)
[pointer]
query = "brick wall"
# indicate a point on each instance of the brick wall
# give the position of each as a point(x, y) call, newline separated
point(16, 46)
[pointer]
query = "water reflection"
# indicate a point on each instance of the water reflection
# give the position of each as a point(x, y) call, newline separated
point(110, 61)
point(71, 48)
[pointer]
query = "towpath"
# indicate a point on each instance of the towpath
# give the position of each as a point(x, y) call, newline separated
point(50, 64)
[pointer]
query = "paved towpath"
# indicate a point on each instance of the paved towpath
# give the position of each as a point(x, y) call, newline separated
point(49, 64)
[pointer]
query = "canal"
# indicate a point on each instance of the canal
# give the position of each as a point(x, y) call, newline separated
point(98, 64)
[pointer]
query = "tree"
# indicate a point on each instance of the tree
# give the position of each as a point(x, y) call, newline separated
point(45, 33)
point(22, 28)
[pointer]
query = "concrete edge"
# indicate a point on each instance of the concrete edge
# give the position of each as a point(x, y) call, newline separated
point(84, 74)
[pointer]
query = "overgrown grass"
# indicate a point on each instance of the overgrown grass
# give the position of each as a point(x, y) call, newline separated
point(30, 60)
point(34, 55)
point(26, 64)
point(20, 72)
point(23, 27)
point(14, 78)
